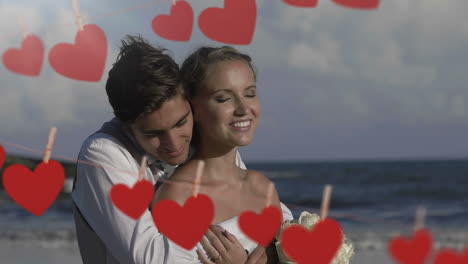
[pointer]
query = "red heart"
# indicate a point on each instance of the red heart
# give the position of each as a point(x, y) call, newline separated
point(261, 228)
point(84, 60)
point(302, 3)
point(176, 26)
point(28, 59)
point(34, 191)
point(135, 201)
point(411, 251)
point(235, 24)
point(359, 4)
point(184, 225)
point(318, 246)
point(2, 156)
point(449, 256)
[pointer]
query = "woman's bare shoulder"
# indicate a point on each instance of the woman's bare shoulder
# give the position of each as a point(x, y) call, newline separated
point(258, 182)
point(259, 185)
point(179, 185)
point(254, 175)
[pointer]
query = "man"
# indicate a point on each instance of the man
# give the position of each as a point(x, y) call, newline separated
point(152, 118)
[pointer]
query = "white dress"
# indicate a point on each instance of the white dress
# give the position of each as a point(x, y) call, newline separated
point(178, 254)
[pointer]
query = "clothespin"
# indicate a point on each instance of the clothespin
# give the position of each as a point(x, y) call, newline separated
point(269, 197)
point(173, 2)
point(78, 17)
point(141, 173)
point(420, 218)
point(50, 144)
point(325, 201)
point(23, 26)
point(199, 173)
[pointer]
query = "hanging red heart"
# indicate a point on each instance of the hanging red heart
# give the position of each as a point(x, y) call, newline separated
point(171, 219)
point(235, 24)
point(359, 4)
point(34, 191)
point(2, 156)
point(176, 26)
point(325, 239)
point(28, 59)
point(84, 60)
point(448, 256)
point(302, 3)
point(132, 201)
point(261, 228)
point(411, 251)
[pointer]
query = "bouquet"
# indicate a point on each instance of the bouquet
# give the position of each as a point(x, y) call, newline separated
point(308, 221)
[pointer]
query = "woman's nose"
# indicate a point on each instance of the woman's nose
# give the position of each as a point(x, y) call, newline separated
point(241, 108)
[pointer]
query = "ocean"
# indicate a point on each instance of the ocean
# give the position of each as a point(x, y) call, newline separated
point(380, 193)
point(372, 200)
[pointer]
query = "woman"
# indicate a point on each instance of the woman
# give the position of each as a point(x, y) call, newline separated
point(221, 86)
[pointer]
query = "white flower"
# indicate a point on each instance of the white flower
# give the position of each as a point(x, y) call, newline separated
point(308, 221)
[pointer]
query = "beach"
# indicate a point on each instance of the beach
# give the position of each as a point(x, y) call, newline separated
point(41, 253)
point(17, 252)
point(373, 202)
point(61, 247)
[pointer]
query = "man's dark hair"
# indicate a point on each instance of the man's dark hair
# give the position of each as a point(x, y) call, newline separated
point(141, 80)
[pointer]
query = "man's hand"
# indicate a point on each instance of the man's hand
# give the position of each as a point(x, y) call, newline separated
point(221, 247)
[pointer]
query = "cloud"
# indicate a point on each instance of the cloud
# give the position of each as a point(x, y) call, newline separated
point(364, 45)
point(50, 99)
point(12, 17)
point(400, 51)
point(322, 57)
point(325, 72)
point(458, 106)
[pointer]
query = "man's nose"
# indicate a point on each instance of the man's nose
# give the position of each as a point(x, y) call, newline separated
point(169, 141)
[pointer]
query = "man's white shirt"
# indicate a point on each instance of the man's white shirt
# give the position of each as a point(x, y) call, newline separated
point(105, 234)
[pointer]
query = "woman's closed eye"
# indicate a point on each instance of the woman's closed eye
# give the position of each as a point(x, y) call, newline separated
point(222, 99)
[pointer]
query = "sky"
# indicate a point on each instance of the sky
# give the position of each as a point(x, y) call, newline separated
point(335, 83)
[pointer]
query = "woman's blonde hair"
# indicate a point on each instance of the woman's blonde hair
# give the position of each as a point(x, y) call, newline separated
point(195, 67)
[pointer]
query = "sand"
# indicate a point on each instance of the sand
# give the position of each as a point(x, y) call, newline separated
point(46, 253)
point(12, 252)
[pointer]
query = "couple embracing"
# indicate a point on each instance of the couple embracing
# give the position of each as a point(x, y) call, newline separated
point(202, 111)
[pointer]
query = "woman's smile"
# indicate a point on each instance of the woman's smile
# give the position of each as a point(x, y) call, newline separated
point(241, 125)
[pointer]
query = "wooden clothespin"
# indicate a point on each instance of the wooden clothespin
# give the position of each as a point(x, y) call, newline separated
point(269, 197)
point(199, 173)
point(420, 218)
point(325, 201)
point(23, 26)
point(50, 144)
point(78, 17)
point(141, 173)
